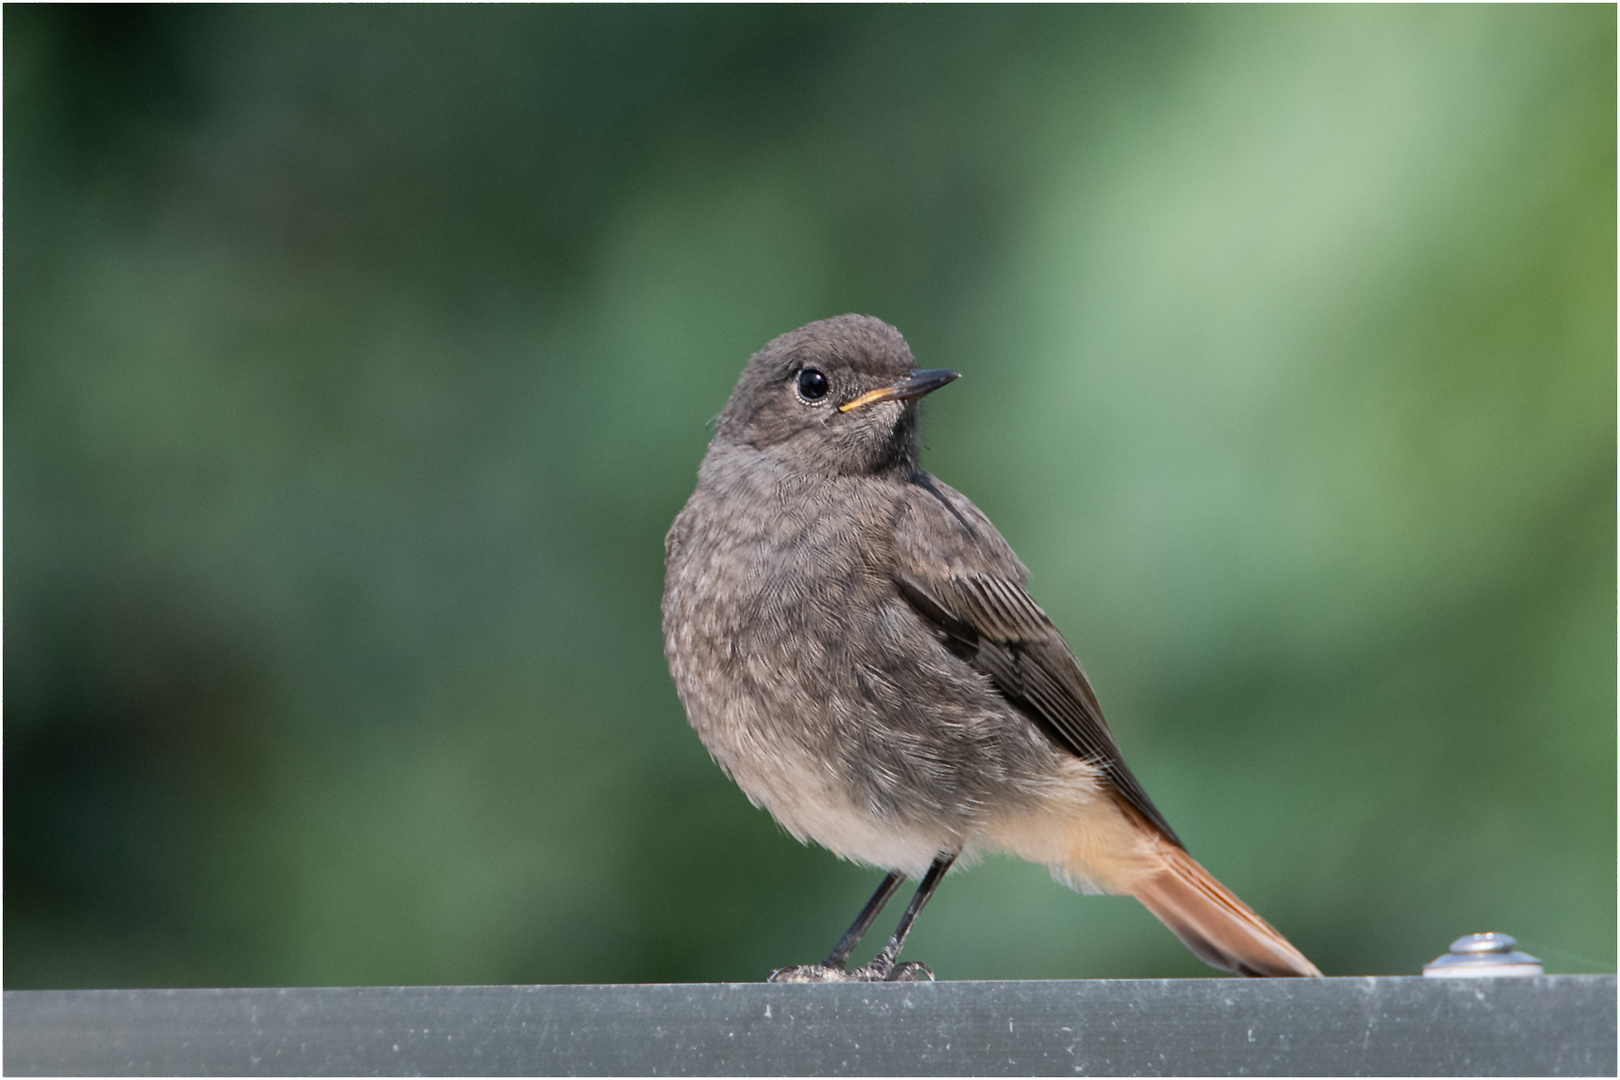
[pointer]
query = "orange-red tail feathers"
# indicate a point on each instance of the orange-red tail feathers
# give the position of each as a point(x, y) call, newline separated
point(1215, 924)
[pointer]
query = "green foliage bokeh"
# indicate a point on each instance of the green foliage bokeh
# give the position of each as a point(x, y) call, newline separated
point(357, 358)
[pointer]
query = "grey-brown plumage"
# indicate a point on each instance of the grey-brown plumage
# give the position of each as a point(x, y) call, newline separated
point(853, 642)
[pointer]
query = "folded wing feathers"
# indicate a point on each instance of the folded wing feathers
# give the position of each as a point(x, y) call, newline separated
point(1034, 666)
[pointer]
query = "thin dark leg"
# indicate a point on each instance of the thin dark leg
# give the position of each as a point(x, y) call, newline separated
point(863, 922)
point(882, 965)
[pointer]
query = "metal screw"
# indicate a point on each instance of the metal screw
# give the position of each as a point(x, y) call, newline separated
point(1478, 956)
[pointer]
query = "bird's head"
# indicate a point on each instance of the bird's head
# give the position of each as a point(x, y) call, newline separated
point(837, 397)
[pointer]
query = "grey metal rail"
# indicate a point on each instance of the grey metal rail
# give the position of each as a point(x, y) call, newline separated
point(1549, 1025)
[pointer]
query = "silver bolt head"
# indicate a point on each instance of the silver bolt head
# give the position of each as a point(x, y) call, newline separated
point(1473, 944)
point(1480, 956)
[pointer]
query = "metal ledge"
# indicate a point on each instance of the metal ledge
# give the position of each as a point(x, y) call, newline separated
point(1548, 1025)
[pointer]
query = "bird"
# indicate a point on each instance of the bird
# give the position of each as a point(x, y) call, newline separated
point(855, 644)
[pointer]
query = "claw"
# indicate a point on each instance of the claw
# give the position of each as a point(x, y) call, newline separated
point(910, 972)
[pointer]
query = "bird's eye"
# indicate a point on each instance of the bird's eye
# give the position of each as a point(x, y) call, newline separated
point(812, 384)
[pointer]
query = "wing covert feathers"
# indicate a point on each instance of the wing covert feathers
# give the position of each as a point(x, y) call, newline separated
point(1221, 929)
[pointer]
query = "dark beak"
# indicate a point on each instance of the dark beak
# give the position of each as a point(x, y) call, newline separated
point(912, 386)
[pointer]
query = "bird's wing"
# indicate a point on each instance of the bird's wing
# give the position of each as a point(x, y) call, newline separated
point(964, 581)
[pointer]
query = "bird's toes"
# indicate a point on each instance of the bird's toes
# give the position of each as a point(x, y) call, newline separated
point(811, 973)
point(878, 971)
point(910, 972)
point(873, 972)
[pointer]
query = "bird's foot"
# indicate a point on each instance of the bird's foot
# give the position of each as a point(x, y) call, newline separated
point(874, 972)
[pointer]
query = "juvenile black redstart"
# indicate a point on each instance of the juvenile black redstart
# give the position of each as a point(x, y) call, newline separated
point(854, 644)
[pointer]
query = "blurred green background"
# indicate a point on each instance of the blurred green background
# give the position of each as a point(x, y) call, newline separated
point(357, 358)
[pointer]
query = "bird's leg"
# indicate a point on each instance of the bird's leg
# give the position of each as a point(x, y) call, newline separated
point(882, 967)
point(832, 968)
point(863, 922)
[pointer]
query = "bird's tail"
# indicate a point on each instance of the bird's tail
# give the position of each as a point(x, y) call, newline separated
point(1215, 924)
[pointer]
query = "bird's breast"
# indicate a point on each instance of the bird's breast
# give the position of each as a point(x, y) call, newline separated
point(814, 683)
